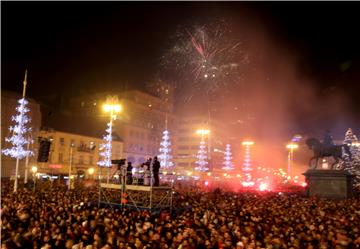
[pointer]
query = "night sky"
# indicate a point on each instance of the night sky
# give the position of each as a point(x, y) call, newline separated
point(76, 47)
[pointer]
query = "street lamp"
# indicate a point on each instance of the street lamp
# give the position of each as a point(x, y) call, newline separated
point(112, 107)
point(247, 143)
point(34, 170)
point(291, 147)
point(91, 171)
point(202, 132)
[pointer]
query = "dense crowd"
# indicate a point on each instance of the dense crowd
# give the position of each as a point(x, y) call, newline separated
point(54, 217)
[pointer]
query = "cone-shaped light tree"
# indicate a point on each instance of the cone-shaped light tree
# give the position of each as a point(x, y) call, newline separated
point(247, 167)
point(19, 131)
point(352, 162)
point(228, 165)
point(202, 153)
point(113, 107)
point(165, 156)
point(105, 153)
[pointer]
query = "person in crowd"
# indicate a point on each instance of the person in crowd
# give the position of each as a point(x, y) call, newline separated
point(156, 169)
point(52, 217)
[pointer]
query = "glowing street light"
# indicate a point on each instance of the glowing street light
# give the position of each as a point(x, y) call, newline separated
point(34, 169)
point(202, 132)
point(91, 171)
point(291, 147)
point(247, 143)
point(115, 108)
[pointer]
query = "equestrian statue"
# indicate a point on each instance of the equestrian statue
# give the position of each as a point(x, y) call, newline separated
point(326, 149)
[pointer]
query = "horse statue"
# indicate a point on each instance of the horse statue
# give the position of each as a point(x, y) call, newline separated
point(325, 150)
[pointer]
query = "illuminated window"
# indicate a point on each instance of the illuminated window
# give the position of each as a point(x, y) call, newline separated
point(81, 159)
point(62, 141)
point(92, 145)
point(60, 157)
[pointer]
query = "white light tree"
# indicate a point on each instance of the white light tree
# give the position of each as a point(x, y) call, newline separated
point(352, 163)
point(228, 165)
point(105, 153)
point(202, 156)
point(113, 107)
point(350, 137)
point(20, 130)
point(165, 157)
point(247, 166)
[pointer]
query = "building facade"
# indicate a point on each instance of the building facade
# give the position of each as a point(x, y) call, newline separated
point(188, 142)
point(139, 125)
point(9, 101)
point(79, 151)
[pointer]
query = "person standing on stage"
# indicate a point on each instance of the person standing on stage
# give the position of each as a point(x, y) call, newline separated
point(129, 173)
point(147, 165)
point(156, 169)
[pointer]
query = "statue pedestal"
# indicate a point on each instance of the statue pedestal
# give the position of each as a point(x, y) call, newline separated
point(335, 184)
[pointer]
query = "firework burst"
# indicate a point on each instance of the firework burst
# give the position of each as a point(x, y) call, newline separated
point(208, 56)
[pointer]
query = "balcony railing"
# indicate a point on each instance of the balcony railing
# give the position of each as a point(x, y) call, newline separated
point(84, 148)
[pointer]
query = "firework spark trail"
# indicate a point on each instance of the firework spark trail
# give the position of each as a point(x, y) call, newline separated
point(204, 57)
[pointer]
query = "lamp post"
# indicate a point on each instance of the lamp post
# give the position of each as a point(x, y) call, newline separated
point(112, 107)
point(34, 170)
point(72, 145)
point(291, 147)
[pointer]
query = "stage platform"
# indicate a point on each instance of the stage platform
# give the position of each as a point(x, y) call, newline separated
point(153, 198)
point(134, 187)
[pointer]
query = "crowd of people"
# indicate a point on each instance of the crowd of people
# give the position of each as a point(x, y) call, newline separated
point(54, 217)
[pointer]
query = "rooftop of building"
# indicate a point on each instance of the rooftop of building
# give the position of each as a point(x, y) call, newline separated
point(95, 127)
